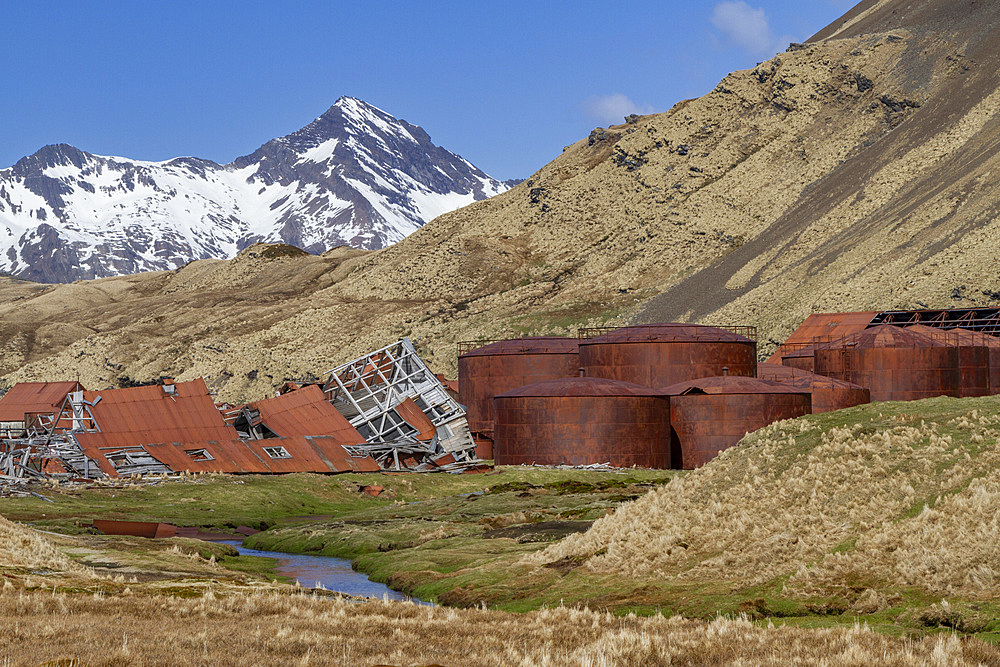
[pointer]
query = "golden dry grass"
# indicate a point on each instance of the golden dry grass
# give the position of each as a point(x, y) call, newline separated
point(27, 549)
point(885, 502)
point(272, 628)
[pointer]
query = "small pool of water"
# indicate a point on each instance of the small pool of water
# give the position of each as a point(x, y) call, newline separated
point(335, 574)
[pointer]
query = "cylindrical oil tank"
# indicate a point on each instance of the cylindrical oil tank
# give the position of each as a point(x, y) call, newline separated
point(489, 370)
point(895, 364)
point(992, 343)
point(580, 421)
point(656, 355)
point(803, 358)
point(828, 394)
point(978, 357)
point(710, 415)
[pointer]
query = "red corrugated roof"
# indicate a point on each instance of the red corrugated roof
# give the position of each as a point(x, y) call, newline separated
point(34, 397)
point(415, 417)
point(306, 454)
point(823, 328)
point(306, 412)
point(141, 415)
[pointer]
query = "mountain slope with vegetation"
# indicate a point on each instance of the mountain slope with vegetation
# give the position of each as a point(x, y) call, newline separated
point(855, 172)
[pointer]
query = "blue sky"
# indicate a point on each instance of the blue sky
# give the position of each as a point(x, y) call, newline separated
point(506, 85)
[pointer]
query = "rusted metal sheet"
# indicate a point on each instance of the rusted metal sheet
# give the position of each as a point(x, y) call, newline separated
point(973, 356)
point(895, 364)
point(581, 421)
point(487, 370)
point(135, 528)
point(305, 412)
point(823, 327)
point(803, 358)
point(415, 417)
point(710, 415)
point(183, 412)
point(828, 394)
point(663, 354)
point(34, 398)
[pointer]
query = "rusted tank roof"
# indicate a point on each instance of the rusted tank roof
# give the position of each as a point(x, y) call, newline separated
point(34, 397)
point(528, 345)
point(823, 327)
point(798, 377)
point(958, 336)
point(667, 333)
point(580, 386)
point(881, 336)
point(306, 412)
point(141, 415)
point(729, 385)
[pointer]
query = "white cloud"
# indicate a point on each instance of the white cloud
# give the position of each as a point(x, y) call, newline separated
point(612, 109)
point(746, 28)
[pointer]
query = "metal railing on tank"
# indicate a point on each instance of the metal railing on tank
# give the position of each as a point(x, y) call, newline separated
point(641, 333)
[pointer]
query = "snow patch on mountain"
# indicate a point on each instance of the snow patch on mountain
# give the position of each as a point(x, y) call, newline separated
point(354, 176)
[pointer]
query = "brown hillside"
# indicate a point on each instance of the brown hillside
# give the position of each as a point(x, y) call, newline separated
point(856, 172)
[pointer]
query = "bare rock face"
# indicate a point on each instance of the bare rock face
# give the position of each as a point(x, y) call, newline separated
point(355, 176)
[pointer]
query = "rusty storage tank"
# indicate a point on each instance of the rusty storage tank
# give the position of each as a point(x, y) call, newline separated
point(583, 420)
point(487, 370)
point(895, 364)
point(800, 357)
point(828, 394)
point(656, 355)
point(978, 357)
point(710, 415)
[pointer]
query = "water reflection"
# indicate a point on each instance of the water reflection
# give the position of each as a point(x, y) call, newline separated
point(335, 574)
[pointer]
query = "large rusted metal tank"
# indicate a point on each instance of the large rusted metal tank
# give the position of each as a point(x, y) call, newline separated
point(485, 371)
point(710, 415)
point(656, 355)
point(828, 394)
point(973, 356)
point(895, 364)
point(583, 420)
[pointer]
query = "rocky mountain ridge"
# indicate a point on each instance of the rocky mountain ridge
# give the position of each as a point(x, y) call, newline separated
point(355, 176)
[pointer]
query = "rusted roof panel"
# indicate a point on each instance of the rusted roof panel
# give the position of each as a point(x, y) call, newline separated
point(822, 328)
point(34, 397)
point(529, 345)
point(671, 333)
point(306, 412)
point(415, 417)
point(304, 454)
point(142, 415)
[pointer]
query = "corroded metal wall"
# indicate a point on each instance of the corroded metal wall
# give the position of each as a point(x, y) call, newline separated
point(497, 368)
point(579, 430)
point(668, 355)
point(804, 360)
point(828, 394)
point(703, 425)
point(895, 373)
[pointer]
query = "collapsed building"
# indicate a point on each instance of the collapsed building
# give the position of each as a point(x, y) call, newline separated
point(383, 411)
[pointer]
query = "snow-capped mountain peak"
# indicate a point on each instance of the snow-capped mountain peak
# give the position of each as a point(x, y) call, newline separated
point(354, 176)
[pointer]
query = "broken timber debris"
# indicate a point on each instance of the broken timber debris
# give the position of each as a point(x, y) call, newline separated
point(383, 411)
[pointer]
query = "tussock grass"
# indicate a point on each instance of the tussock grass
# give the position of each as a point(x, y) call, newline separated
point(23, 548)
point(272, 628)
point(887, 495)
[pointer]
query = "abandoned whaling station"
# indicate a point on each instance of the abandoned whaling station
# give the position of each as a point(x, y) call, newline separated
point(655, 396)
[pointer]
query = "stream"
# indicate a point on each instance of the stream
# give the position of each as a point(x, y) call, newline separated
point(335, 574)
